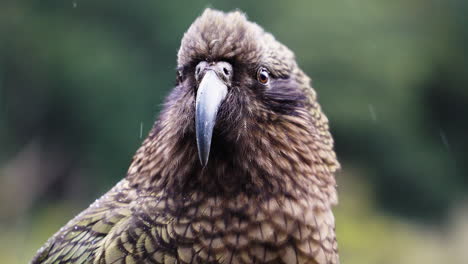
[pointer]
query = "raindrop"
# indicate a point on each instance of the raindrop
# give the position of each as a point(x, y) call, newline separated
point(141, 130)
point(74, 4)
point(444, 139)
point(372, 112)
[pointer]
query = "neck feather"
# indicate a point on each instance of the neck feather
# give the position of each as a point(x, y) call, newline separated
point(285, 154)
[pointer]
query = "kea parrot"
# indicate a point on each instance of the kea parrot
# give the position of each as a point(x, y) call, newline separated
point(238, 168)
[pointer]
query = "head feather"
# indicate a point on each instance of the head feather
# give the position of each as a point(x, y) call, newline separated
point(216, 35)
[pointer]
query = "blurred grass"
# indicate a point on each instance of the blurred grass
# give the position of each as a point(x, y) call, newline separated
point(367, 235)
point(21, 239)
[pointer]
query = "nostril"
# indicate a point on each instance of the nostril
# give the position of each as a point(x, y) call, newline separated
point(198, 70)
point(226, 71)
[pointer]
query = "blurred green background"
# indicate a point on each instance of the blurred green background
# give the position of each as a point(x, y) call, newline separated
point(82, 81)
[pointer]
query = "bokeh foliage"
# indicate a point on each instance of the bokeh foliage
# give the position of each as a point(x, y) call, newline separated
point(82, 81)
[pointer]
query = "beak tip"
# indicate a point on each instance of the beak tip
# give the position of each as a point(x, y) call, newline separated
point(203, 146)
point(203, 162)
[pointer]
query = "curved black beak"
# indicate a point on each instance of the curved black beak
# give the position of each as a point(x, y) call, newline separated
point(211, 92)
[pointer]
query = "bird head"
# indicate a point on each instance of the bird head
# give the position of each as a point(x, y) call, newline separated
point(234, 68)
point(242, 111)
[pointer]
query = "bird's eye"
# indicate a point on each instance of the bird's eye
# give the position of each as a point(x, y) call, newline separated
point(263, 76)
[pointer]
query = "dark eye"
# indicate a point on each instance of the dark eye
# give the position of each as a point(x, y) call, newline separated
point(263, 76)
